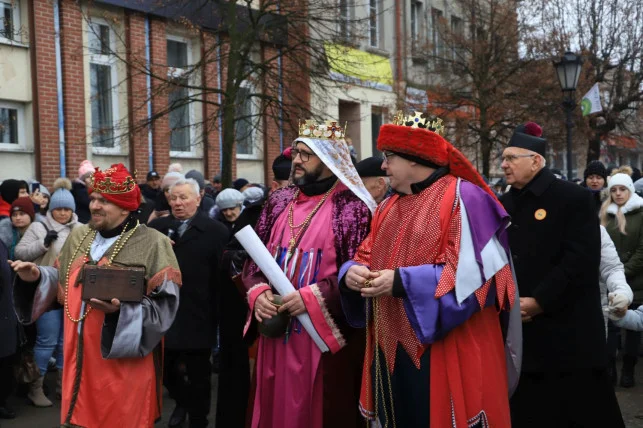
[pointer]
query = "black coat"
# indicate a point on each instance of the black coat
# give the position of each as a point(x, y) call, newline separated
point(198, 252)
point(81, 198)
point(556, 248)
point(8, 320)
point(234, 308)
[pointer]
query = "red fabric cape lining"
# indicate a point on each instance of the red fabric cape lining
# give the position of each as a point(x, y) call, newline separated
point(460, 379)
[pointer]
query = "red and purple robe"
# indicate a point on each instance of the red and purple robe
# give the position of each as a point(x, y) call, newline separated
point(441, 341)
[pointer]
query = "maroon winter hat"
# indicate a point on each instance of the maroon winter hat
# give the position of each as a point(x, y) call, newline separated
point(25, 205)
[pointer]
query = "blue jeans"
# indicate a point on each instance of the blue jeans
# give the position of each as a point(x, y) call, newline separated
point(49, 340)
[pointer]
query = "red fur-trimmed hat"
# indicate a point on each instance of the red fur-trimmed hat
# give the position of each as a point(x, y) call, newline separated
point(118, 186)
point(416, 136)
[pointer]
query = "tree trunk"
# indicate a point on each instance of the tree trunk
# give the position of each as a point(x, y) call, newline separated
point(485, 148)
point(485, 143)
point(594, 147)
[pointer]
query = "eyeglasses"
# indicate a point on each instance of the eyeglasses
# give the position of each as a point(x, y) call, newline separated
point(388, 155)
point(304, 155)
point(513, 158)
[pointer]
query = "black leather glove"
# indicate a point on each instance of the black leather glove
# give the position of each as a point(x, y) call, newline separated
point(237, 259)
point(52, 235)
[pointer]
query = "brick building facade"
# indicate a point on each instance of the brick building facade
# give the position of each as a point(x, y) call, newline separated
point(58, 113)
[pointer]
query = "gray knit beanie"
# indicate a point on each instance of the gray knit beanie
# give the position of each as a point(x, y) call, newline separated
point(229, 198)
point(61, 196)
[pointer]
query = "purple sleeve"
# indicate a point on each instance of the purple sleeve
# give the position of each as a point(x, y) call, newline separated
point(433, 318)
point(353, 304)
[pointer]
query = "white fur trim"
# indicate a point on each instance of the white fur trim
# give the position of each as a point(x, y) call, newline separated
point(635, 202)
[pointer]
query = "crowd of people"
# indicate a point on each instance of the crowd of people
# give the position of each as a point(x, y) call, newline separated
point(423, 295)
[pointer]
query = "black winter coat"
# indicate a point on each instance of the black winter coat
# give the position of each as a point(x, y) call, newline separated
point(233, 304)
point(81, 198)
point(556, 248)
point(198, 252)
point(8, 322)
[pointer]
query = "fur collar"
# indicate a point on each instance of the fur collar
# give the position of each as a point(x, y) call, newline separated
point(634, 203)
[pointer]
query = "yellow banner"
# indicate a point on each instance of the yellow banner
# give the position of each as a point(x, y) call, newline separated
point(354, 63)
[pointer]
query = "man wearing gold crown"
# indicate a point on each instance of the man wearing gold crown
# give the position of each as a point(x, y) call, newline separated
point(111, 375)
point(311, 228)
point(433, 286)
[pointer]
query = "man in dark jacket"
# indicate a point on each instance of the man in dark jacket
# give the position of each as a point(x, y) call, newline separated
point(555, 242)
point(151, 190)
point(198, 244)
point(207, 201)
point(8, 334)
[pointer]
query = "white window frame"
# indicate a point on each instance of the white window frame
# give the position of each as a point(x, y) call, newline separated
point(345, 19)
point(177, 73)
point(256, 154)
point(17, 23)
point(21, 146)
point(111, 61)
point(416, 16)
point(377, 23)
point(437, 39)
point(458, 31)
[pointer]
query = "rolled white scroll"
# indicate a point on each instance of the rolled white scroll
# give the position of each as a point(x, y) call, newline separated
point(259, 253)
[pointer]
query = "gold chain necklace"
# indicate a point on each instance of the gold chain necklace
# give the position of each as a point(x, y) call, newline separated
point(294, 237)
point(120, 243)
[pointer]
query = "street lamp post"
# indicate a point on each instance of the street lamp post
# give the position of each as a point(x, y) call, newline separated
point(568, 70)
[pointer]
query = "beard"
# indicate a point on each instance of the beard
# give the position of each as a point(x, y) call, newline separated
point(309, 176)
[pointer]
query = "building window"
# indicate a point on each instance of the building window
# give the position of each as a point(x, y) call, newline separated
point(377, 119)
point(457, 32)
point(179, 103)
point(247, 122)
point(177, 54)
point(416, 21)
point(344, 26)
point(103, 81)
point(11, 126)
point(437, 38)
point(179, 117)
point(8, 125)
point(373, 18)
point(9, 19)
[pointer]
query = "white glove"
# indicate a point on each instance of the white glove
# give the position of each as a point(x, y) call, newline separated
point(618, 301)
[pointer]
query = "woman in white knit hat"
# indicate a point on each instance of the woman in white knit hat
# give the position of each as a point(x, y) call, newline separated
point(622, 216)
point(41, 244)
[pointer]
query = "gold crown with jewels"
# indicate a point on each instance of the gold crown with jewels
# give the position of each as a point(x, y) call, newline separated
point(102, 181)
point(327, 130)
point(419, 120)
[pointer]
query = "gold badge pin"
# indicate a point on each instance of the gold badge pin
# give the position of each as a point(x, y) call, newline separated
point(540, 214)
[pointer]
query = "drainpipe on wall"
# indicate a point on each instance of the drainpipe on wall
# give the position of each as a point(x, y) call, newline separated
point(34, 92)
point(59, 90)
point(219, 82)
point(204, 111)
point(398, 55)
point(280, 95)
point(148, 79)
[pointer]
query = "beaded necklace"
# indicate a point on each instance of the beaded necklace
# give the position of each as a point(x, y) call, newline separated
point(294, 237)
point(118, 246)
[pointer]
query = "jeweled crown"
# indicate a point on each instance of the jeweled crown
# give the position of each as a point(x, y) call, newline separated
point(328, 130)
point(419, 120)
point(102, 182)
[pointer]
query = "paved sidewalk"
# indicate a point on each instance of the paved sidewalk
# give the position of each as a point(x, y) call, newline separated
point(631, 401)
point(31, 417)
